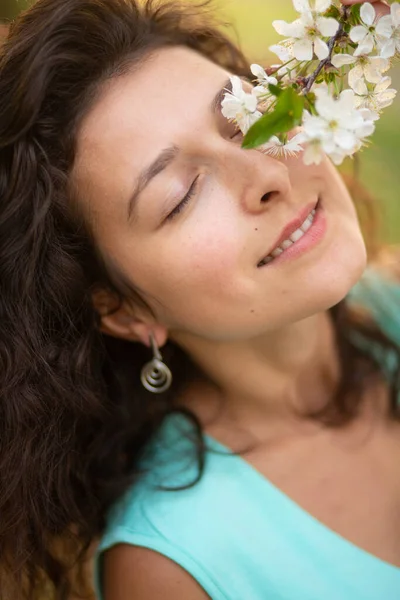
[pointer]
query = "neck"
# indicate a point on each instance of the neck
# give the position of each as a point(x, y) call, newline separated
point(273, 378)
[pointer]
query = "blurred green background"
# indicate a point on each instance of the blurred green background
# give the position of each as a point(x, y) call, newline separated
point(379, 164)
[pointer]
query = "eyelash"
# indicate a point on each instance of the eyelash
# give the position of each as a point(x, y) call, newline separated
point(192, 190)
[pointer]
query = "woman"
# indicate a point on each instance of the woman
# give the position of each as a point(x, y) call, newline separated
point(134, 228)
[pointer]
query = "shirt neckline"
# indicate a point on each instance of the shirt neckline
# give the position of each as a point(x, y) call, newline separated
point(291, 505)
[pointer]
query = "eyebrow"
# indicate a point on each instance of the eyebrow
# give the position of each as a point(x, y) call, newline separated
point(168, 155)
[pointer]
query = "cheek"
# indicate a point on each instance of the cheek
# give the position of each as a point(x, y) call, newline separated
point(199, 271)
point(206, 259)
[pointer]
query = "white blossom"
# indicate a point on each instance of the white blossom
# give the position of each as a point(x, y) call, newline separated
point(378, 98)
point(261, 75)
point(389, 27)
point(368, 114)
point(240, 106)
point(314, 152)
point(284, 51)
point(339, 125)
point(319, 6)
point(275, 147)
point(261, 90)
point(367, 67)
point(339, 128)
point(307, 33)
point(371, 32)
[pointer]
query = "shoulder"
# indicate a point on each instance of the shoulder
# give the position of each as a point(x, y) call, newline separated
point(135, 573)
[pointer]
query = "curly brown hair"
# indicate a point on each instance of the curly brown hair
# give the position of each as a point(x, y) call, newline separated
point(74, 418)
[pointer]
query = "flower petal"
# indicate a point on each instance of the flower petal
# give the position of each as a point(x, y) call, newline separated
point(355, 75)
point(395, 14)
point(361, 103)
point(259, 91)
point(250, 102)
point(346, 101)
point(357, 33)
point(365, 130)
point(296, 139)
point(295, 29)
point(258, 71)
point(230, 107)
point(301, 5)
point(320, 48)
point(314, 127)
point(386, 98)
point(248, 120)
point(303, 50)
point(368, 115)
point(337, 157)
point(338, 60)
point(237, 86)
point(384, 26)
point(374, 68)
point(325, 104)
point(327, 26)
point(282, 52)
point(366, 46)
point(359, 87)
point(367, 13)
point(313, 154)
point(344, 139)
point(383, 84)
point(307, 19)
point(322, 6)
point(388, 49)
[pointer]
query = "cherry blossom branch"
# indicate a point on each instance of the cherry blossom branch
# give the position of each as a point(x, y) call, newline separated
point(308, 82)
point(359, 43)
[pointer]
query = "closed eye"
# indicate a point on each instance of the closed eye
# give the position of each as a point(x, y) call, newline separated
point(192, 190)
point(185, 200)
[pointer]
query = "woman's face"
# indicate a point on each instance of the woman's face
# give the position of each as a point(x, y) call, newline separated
point(197, 262)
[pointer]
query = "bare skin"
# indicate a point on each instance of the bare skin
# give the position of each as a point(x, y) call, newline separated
point(264, 337)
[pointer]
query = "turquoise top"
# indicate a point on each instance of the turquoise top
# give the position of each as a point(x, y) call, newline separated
point(235, 532)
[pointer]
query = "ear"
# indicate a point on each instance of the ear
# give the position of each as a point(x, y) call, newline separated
point(125, 322)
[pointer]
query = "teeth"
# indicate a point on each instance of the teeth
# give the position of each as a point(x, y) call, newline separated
point(307, 224)
point(286, 244)
point(266, 260)
point(296, 235)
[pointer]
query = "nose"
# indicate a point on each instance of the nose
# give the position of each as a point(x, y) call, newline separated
point(261, 180)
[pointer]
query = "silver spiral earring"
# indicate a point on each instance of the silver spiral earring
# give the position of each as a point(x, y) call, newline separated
point(155, 375)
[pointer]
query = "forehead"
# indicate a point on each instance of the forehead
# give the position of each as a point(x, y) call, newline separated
point(160, 103)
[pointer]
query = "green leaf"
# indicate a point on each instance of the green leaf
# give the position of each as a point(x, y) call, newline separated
point(332, 11)
point(287, 115)
point(275, 90)
point(355, 13)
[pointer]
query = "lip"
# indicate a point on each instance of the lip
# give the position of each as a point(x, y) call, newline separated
point(308, 240)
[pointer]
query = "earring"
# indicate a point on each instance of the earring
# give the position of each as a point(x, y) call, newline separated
point(155, 375)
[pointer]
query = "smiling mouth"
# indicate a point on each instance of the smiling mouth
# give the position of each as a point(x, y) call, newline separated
point(294, 237)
